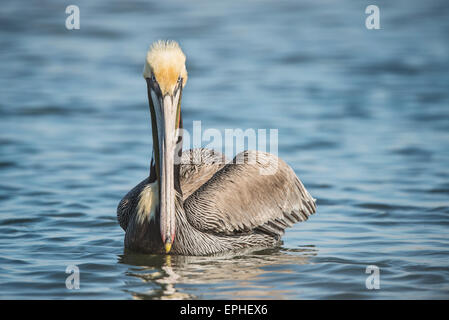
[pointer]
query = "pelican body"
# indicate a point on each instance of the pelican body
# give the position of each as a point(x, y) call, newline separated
point(196, 202)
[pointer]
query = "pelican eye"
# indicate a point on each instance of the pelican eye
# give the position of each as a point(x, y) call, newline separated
point(153, 78)
point(179, 79)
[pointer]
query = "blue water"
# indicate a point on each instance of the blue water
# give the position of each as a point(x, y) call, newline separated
point(363, 118)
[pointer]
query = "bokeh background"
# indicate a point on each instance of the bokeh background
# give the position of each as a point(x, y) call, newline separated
point(363, 118)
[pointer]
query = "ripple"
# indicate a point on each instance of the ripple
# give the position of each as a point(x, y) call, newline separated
point(7, 164)
point(46, 111)
point(396, 67)
point(317, 145)
point(19, 221)
point(413, 151)
point(439, 190)
point(386, 207)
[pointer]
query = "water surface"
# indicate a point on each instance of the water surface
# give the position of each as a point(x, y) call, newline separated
point(363, 119)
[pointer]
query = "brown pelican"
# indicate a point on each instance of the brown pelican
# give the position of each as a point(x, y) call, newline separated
point(204, 206)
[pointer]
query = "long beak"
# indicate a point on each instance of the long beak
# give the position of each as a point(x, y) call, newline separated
point(166, 112)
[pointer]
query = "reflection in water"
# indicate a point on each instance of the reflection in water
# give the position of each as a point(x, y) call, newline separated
point(168, 275)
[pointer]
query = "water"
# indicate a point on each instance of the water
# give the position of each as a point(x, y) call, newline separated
point(363, 118)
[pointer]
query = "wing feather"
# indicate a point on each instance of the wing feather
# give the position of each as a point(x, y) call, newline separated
point(241, 197)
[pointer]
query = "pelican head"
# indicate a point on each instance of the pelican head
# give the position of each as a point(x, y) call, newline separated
point(165, 74)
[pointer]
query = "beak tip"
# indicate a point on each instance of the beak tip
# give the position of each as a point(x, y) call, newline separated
point(167, 247)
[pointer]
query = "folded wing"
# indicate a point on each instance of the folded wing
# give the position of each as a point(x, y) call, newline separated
point(255, 192)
